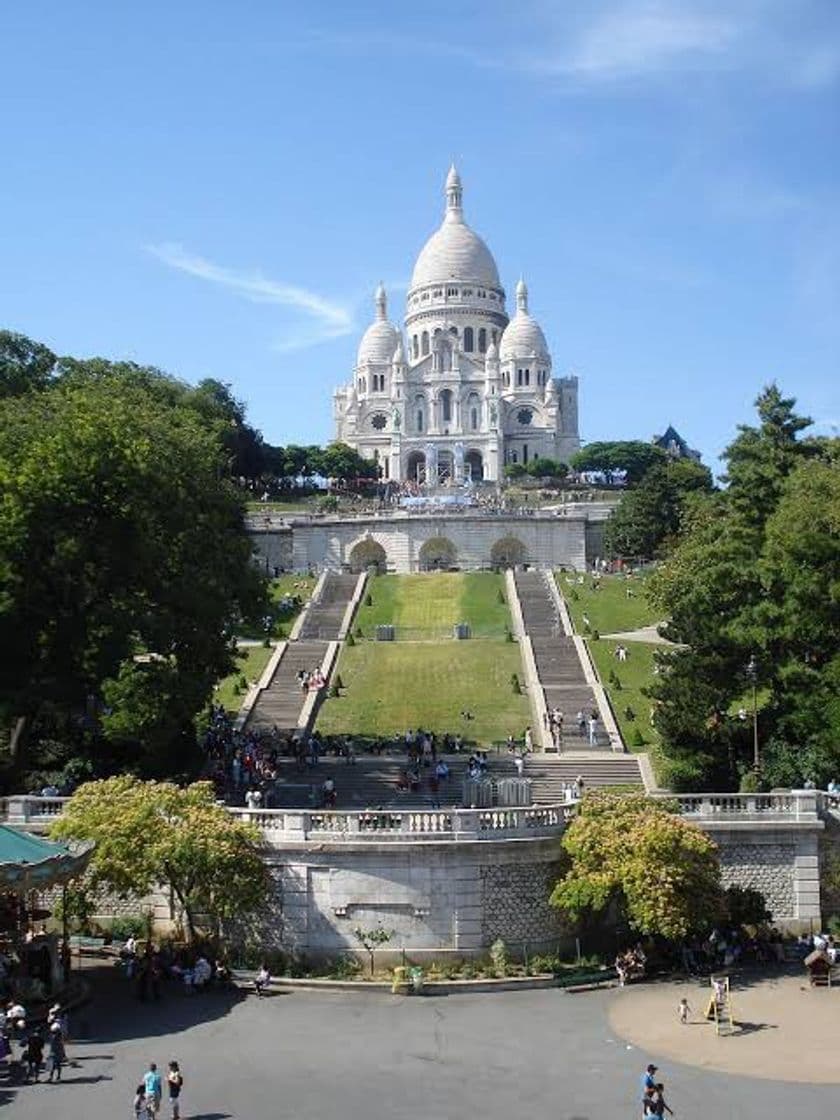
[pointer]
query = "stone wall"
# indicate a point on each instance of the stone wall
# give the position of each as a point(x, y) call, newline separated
point(768, 868)
point(436, 899)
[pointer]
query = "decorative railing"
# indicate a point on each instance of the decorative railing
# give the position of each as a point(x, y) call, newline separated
point(795, 805)
point(451, 824)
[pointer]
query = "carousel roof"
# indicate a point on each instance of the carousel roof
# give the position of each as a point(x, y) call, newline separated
point(29, 863)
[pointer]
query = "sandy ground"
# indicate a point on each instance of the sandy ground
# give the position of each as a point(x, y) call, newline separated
point(784, 1030)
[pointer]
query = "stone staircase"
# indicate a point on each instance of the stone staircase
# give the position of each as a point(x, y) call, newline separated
point(324, 617)
point(372, 781)
point(280, 704)
point(558, 665)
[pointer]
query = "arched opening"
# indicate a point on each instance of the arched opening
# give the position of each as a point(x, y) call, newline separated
point(437, 554)
point(482, 341)
point(415, 346)
point(474, 466)
point(424, 343)
point(508, 553)
point(446, 406)
point(420, 413)
point(415, 468)
point(469, 342)
point(367, 554)
point(473, 412)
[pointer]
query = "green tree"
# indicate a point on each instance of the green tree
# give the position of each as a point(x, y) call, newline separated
point(653, 513)
point(343, 464)
point(753, 574)
point(633, 456)
point(632, 852)
point(25, 366)
point(156, 834)
point(119, 535)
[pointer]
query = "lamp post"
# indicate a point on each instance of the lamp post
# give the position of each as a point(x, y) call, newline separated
point(752, 674)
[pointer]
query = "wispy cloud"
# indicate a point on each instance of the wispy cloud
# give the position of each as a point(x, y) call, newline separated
point(597, 43)
point(638, 39)
point(326, 319)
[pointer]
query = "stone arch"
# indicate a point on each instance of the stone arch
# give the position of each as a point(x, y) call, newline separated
point(415, 469)
point(437, 554)
point(508, 552)
point(474, 463)
point(366, 554)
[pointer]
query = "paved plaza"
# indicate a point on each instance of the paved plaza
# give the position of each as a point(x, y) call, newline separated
point(329, 1056)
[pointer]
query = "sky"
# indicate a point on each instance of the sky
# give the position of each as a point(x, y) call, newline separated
point(216, 188)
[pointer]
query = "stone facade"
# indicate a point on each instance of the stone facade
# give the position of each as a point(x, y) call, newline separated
point(467, 390)
point(401, 542)
point(768, 868)
point(515, 904)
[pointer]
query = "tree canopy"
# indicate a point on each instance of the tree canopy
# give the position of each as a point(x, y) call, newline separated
point(635, 457)
point(121, 535)
point(156, 834)
point(630, 851)
point(756, 574)
point(653, 513)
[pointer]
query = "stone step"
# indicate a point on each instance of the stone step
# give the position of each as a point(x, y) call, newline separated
point(280, 704)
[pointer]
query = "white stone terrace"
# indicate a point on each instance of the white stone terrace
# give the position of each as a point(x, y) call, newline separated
point(712, 811)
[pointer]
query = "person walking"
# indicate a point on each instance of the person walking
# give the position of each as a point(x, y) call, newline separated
point(175, 1083)
point(647, 1088)
point(34, 1055)
point(58, 1055)
point(153, 1087)
point(683, 1010)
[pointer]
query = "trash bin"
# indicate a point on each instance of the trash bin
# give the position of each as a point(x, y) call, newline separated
point(461, 630)
point(384, 633)
point(416, 975)
point(399, 985)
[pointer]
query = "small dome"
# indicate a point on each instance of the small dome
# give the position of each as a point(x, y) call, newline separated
point(492, 352)
point(455, 252)
point(523, 336)
point(381, 338)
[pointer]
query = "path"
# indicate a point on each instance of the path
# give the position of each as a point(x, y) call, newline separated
point(649, 634)
point(318, 1056)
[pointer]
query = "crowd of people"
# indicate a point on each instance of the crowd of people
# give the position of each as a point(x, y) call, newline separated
point(191, 970)
point(39, 1047)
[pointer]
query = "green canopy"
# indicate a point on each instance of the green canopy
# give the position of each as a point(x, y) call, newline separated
point(28, 863)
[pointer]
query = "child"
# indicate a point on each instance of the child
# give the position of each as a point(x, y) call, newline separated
point(139, 1100)
point(683, 1010)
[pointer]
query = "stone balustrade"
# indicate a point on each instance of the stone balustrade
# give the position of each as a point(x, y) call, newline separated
point(440, 825)
point(793, 807)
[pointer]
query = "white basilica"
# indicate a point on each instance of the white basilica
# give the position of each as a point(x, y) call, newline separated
point(467, 390)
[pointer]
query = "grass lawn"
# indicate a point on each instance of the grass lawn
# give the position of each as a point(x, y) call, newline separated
point(390, 687)
point(609, 610)
point(634, 674)
point(426, 607)
point(251, 662)
point(288, 584)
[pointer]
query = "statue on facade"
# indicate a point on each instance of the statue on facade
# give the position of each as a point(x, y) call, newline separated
point(397, 419)
point(494, 414)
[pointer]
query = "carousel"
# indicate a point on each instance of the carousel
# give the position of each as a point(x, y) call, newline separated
point(33, 961)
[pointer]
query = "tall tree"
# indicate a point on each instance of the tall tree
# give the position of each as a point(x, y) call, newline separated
point(119, 535)
point(652, 514)
point(25, 366)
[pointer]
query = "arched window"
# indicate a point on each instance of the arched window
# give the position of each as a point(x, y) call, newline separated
point(468, 340)
point(420, 412)
point(473, 419)
point(527, 377)
point(415, 345)
point(482, 341)
point(419, 419)
point(453, 331)
point(446, 406)
point(519, 377)
point(495, 336)
point(424, 343)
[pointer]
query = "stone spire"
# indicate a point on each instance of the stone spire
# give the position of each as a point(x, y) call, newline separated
point(381, 301)
point(454, 196)
point(522, 296)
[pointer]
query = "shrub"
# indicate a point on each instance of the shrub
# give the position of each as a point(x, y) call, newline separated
point(500, 596)
point(636, 738)
point(368, 600)
point(499, 958)
point(359, 633)
point(339, 683)
point(629, 714)
point(136, 925)
point(351, 641)
point(333, 692)
point(267, 643)
point(514, 684)
point(508, 634)
point(595, 636)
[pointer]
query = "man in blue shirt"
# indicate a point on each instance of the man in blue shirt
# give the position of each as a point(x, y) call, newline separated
point(647, 1082)
point(154, 1089)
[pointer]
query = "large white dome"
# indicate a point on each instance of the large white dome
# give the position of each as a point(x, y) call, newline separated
point(381, 338)
point(455, 252)
point(523, 335)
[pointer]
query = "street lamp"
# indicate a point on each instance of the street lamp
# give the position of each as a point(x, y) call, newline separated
point(752, 675)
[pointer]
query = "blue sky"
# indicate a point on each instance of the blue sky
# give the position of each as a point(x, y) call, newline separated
point(216, 188)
